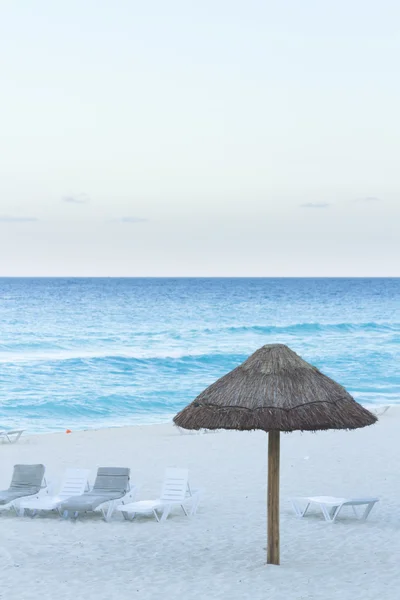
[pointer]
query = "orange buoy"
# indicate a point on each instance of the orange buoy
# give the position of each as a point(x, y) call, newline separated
point(68, 431)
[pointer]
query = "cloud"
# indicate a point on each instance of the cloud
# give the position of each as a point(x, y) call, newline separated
point(315, 205)
point(132, 220)
point(368, 200)
point(76, 199)
point(11, 219)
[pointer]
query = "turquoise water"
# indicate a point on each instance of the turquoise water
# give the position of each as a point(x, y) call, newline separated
point(83, 353)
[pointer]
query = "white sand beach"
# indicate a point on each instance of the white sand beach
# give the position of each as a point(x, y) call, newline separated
point(219, 553)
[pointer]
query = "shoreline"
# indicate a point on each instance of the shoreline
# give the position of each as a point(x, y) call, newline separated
point(377, 409)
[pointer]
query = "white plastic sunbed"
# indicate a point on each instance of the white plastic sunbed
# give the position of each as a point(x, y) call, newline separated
point(194, 431)
point(74, 483)
point(331, 506)
point(27, 481)
point(112, 486)
point(11, 436)
point(175, 491)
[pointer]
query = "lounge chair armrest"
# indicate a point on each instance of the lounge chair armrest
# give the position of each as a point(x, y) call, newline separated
point(130, 495)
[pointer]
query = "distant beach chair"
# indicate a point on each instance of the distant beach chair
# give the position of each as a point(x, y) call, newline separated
point(175, 491)
point(74, 483)
point(27, 480)
point(11, 436)
point(111, 485)
point(183, 431)
point(331, 506)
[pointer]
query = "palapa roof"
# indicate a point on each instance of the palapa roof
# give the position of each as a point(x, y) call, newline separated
point(274, 389)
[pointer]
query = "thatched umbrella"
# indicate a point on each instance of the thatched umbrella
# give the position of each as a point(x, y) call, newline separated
point(274, 390)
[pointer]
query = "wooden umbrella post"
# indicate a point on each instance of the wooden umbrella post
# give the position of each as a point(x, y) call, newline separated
point(273, 498)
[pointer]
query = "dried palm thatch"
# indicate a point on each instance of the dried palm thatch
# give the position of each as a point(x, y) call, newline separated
point(274, 390)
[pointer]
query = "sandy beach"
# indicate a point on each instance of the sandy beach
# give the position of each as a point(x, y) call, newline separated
point(219, 553)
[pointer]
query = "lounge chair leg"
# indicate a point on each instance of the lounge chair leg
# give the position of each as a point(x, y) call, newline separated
point(195, 502)
point(367, 511)
point(156, 515)
point(126, 516)
point(110, 511)
point(335, 512)
point(327, 515)
point(166, 511)
point(299, 512)
point(184, 510)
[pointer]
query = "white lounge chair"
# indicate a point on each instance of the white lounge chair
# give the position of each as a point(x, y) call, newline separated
point(183, 431)
point(27, 481)
point(75, 482)
point(331, 506)
point(11, 436)
point(112, 486)
point(175, 491)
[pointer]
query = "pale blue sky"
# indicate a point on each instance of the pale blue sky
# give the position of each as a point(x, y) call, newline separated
point(200, 138)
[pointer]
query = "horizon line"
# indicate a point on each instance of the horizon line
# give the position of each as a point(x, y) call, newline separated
point(200, 277)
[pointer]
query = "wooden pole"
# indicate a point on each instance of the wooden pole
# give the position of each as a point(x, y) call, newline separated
point(273, 498)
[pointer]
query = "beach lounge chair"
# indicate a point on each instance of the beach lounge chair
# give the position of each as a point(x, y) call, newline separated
point(195, 432)
point(11, 436)
point(75, 483)
point(175, 491)
point(331, 506)
point(110, 486)
point(27, 480)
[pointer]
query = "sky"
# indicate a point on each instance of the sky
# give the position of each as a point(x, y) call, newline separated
point(212, 138)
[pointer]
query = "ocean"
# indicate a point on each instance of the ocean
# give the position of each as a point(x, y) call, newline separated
point(90, 353)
